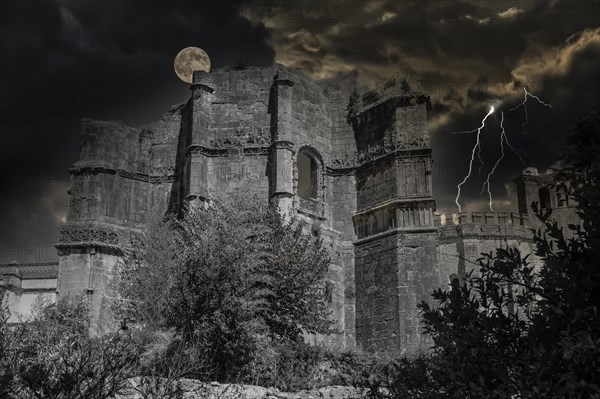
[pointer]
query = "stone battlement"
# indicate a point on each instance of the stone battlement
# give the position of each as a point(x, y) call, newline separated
point(475, 217)
point(483, 226)
point(401, 86)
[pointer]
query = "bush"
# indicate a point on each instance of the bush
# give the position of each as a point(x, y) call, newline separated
point(291, 366)
point(164, 360)
point(52, 355)
point(230, 274)
point(382, 376)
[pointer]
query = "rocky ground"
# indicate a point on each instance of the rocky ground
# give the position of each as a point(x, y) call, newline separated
point(194, 389)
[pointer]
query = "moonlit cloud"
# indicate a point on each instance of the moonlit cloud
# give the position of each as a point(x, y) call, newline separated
point(509, 13)
point(556, 60)
point(387, 15)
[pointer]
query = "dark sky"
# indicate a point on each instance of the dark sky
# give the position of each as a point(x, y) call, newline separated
point(61, 61)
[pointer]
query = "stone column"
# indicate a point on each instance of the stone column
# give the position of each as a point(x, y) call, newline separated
point(282, 172)
point(197, 167)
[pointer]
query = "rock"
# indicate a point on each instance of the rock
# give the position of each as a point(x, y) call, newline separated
point(194, 389)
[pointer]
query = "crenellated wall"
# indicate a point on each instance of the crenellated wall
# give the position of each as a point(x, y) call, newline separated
point(464, 237)
point(487, 218)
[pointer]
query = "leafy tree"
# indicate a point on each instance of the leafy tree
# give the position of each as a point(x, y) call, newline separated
point(228, 275)
point(513, 330)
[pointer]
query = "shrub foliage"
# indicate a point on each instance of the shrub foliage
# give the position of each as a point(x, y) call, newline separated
point(53, 356)
point(229, 275)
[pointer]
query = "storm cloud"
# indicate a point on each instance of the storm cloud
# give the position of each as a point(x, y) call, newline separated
point(65, 60)
point(470, 55)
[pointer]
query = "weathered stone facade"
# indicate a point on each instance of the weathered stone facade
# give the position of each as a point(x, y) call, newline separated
point(242, 130)
point(24, 283)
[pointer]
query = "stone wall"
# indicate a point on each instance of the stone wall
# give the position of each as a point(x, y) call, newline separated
point(342, 205)
point(87, 273)
point(123, 179)
point(464, 238)
point(549, 192)
point(376, 183)
point(24, 283)
point(377, 324)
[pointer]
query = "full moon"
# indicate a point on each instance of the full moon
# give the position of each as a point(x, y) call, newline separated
point(191, 59)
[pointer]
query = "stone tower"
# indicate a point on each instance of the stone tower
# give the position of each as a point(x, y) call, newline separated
point(547, 191)
point(396, 236)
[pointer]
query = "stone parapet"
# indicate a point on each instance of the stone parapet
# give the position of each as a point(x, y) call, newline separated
point(485, 232)
point(485, 218)
point(403, 214)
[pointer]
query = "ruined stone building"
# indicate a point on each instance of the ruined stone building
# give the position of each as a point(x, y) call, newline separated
point(359, 166)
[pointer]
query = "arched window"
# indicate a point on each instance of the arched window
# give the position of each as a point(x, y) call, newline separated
point(308, 171)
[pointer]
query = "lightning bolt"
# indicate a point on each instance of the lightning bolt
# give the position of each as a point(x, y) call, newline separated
point(524, 105)
point(516, 152)
point(503, 139)
point(504, 144)
point(480, 160)
point(461, 132)
point(475, 148)
point(481, 163)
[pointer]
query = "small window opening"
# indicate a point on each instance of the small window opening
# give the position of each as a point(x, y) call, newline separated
point(307, 176)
